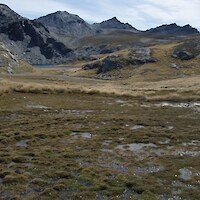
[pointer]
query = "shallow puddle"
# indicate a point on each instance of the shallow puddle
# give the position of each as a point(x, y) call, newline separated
point(28, 164)
point(192, 143)
point(183, 152)
point(185, 174)
point(37, 106)
point(178, 105)
point(135, 146)
point(77, 112)
point(165, 141)
point(107, 142)
point(149, 170)
point(76, 135)
point(135, 127)
point(22, 143)
point(170, 197)
point(124, 103)
point(107, 150)
point(183, 185)
point(195, 105)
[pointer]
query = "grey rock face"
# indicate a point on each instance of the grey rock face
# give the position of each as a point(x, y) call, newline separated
point(34, 41)
point(67, 24)
point(8, 16)
point(31, 40)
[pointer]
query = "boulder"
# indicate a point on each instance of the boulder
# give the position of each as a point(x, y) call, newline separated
point(187, 50)
point(109, 63)
point(183, 55)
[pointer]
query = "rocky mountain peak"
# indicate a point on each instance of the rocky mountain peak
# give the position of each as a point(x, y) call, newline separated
point(173, 29)
point(8, 16)
point(114, 19)
point(114, 23)
point(62, 22)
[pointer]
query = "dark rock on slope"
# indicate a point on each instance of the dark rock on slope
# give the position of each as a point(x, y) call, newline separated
point(173, 29)
point(65, 23)
point(138, 56)
point(188, 50)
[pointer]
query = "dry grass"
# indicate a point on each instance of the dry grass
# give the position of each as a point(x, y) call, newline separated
point(174, 89)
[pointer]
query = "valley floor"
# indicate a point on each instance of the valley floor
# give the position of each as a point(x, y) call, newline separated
point(119, 121)
point(81, 138)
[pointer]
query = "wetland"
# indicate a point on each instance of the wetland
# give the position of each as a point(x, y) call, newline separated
point(96, 146)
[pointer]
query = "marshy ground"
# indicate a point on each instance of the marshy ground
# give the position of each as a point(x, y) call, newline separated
point(94, 146)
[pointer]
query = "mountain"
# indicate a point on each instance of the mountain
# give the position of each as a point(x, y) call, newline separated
point(62, 37)
point(30, 39)
point(173, 29)
point(8, 16)
point(66, 24)
point(114, 23)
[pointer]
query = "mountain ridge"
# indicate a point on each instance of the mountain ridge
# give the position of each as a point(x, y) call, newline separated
point(173, 28)
point(46, 40)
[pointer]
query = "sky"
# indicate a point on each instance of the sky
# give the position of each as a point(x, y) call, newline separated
point(142, 14)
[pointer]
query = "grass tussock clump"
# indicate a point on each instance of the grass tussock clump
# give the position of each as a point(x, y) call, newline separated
point(35, 88)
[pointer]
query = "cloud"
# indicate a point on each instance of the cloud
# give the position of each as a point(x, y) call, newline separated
point(142, 14)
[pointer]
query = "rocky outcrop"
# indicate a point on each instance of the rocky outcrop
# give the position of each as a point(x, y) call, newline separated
point(138, 56)
point(65, 23)
point(10, 62)
point(173, 29)
point(188, 50)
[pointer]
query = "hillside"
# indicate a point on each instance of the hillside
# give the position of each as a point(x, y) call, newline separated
point(10, 62)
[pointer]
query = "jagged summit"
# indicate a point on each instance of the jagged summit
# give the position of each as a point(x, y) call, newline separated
point(62, 22)
point(173, 29)
point(114, 23)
